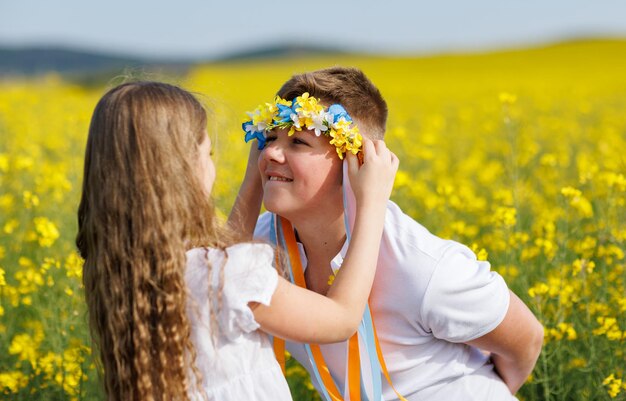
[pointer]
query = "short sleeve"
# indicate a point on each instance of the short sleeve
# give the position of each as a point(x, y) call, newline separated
point(248, 277)
point(464, 299)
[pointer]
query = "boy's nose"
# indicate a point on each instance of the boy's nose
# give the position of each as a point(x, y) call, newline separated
point(274, 152)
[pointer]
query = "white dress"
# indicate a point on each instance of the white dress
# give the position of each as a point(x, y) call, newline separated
point(236, 362)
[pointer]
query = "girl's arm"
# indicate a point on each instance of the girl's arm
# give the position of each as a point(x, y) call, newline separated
point(514, 345)
point(243, 216)
point(301, 315)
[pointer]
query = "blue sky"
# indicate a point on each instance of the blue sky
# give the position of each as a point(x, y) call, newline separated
point(209, 28)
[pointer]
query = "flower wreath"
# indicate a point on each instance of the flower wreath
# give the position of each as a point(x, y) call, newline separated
point(305, 112)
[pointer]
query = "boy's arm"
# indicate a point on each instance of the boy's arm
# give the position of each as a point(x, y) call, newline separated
point(243, 216)
point(514, 345)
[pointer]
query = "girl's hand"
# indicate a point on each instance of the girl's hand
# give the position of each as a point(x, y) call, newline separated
point(372, 182)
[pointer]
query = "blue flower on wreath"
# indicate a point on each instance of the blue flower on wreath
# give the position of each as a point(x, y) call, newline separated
point(338, 112)
point(284, 113)
point(252, 133)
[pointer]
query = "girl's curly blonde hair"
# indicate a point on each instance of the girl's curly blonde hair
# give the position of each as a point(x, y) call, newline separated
point(142, 207)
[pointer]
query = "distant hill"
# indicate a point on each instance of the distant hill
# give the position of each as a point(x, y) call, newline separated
point(34, 61)
point(278, 51)
point(40, 60)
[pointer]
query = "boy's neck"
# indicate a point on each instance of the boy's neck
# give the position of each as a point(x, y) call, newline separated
point(322, 239)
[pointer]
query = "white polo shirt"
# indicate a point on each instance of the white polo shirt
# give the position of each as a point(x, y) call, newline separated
point(429, 297)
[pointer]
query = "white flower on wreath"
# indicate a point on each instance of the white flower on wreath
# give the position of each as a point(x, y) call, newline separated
point(318, 125)
point(296, 120)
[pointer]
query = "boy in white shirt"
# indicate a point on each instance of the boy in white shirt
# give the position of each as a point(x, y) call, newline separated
point(435, 307)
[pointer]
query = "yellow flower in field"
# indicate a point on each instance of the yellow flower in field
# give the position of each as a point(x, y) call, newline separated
point(610, 252)
point(74, 265)
point(548, 160)
point(4, 162)
point(567, 330)
point(578, 201)
point(49, 263)
point(3, 252)
point(586, 247)
point(1, 311)
point(548, 247)
point(12, 381)
point(6, 202)
point(622, 304)
point(610, 328)
point(580, 265)
point(11, 293)
point(614, 180)
point(53, 181)
point(507, 98)
point(48, 364)
point(30, 200)
point(570, 192)
point(577, 363)
point(10, 226)
point(25, 347)
point(23, 261)
point(46, 230)
point(505, 216)
point(403, 179)
point(481, 254)
point(24, 163)
point(508, 272)
point(538, 289)
point(613, 384)
point(2, 279)
point(72, 374)
point(530, 253)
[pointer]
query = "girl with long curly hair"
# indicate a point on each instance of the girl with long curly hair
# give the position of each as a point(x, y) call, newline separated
point(174, 304)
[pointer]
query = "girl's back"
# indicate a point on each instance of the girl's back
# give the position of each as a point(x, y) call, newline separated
point(235, 359)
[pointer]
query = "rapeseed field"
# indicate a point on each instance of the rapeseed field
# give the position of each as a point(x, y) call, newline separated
point(520, 154)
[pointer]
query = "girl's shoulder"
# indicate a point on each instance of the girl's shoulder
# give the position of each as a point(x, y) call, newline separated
point(241, 274)
point(238, 254)
point(236, 259)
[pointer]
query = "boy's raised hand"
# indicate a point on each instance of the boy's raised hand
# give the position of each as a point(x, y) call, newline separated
point(373, 180)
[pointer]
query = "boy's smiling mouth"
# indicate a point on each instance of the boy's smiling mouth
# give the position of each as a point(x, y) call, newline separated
point(275, 178)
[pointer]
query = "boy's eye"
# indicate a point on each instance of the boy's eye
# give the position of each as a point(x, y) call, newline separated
point(270, 139)
point(299, 141)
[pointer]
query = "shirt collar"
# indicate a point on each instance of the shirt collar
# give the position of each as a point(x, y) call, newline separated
point(335, 263)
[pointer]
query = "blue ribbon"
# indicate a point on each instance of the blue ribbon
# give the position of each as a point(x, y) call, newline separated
point(365, 330)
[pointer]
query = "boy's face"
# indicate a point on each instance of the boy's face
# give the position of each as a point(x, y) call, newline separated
point(301, 174)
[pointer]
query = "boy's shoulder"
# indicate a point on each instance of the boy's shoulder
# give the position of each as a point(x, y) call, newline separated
point(408, 237)
point(262, 229)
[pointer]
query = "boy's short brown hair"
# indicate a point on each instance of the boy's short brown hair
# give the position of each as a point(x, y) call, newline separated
point(348, 87)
